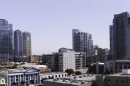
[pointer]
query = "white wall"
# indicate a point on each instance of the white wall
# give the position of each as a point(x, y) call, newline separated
point(2, 81)
point(68, 61)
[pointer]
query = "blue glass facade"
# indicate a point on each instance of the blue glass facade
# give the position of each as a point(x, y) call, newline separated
point(6, 41)
point(18, 43)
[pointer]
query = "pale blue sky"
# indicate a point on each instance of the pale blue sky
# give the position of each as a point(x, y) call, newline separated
point(51, 21)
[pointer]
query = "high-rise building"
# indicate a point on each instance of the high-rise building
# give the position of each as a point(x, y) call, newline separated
point(18, 43)
point(26, 43)
point(6, 41)
point(112, 38)
point(120, 37)
point(82, 42)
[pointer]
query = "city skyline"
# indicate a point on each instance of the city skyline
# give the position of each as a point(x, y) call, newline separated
point(51, 22)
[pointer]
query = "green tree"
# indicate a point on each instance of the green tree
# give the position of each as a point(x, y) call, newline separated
point(78, 73)
point(69, 71)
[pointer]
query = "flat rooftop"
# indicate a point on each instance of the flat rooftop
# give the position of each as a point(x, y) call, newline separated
point(53, 73)
point(78, 79)
point(122, 61)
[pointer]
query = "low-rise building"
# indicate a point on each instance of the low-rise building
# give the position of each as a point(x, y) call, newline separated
point(41, 68)
point(21, 76)
point(3, 80)
point(80, 80)
point(65, 59)
point(53, 75)
point(21, 59)
point(120, 79)
point(115, 66)
point(69, 59)
point(36, 59)
point(122, 64)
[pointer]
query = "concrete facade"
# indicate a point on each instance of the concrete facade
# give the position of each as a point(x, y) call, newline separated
point(53, 75)
point(122, 64)
point(36, 59)
point(113, 80)
point(16, 76)
point(3, 81)
point(69, 59)
point(116, 66)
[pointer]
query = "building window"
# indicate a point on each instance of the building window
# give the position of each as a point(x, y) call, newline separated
point(21, 75)
point(16, 79)
point(122, 81)
point(116, 80)
point(108, 79)
point(55, 75)
point(26, 78)
point(129, 20)
point(2, 81)
point(36, 81)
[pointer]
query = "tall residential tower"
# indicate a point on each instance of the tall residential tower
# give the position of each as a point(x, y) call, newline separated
point(120, 36)
point(82, 42)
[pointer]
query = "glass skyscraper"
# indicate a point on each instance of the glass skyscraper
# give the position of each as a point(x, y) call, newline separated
point(18, 43)
point(26, 43)
point(82, 42)
point(120, 37)
point(6, 41)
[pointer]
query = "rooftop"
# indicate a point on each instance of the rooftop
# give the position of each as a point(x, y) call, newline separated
point(34, 66)
point(18, 70)
point(122, 61)
point(52, 73)
point(12, 70)
point(124, 73)
point(77, 80)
